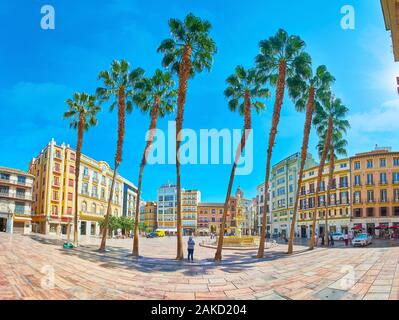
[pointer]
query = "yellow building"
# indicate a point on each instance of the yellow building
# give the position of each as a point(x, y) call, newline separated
point(375, 190)
point(190, 200)
point(390, 10)
point(338, 206)
point(53, 191)
point(210, 215)
point(149, 215)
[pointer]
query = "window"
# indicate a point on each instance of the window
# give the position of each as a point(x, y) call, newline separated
point(357, 165)
point(396, 162)
point(395, 177)
point(71, 169)
point(291, 188)
point(55, 195)
point(383, 178)
point(86, 172)
point(69, 210)
point(70, 196)
point(343, 182)
point(54, 210)
point(280, 191)
point(370, 179)
point(357, 212)
point(383, 195)
point(369, 164)
point(357, 181)
point(280, 170)
point(357, 196)
point(4, 176)
point(343, 165)
point(280, 181)
point(70, 182)
point(383, 163)
point(72, 157)
point(21, 179)
point(19, 207)
point(84, 206)
point(383, 212)
point(370, 196)
point(396, 195)
point(93, 208)
point(370, 212)
point(396, 211)
point(85, 188)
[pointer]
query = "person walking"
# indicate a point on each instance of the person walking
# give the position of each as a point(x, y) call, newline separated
point(331, 240)
point(190, 248)
point(346, 239)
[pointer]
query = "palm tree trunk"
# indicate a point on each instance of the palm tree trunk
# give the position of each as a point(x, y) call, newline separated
point(319, 177)
point(272, 137)
point(118, 160)
point(240, 149)
point(151, 134)
point(77, 172)
point(329, 186)
point(184, 74)
point(304, 152)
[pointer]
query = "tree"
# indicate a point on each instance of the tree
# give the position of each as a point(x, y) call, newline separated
point(305, 90)
point(329, 118)
point(281, 57)
point(119, 84)
point(158, 96)
point(188, 52)
point(82, 110)
point(244, 89)
point(337, 148)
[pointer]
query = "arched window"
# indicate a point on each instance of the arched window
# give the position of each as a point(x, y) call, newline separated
point(84, 206)
point(93, 208)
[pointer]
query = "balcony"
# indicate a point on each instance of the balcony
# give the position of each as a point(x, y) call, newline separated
point(383, 183)
point(57, 170)
point(396, 182)
point(370, 183)
point(16, 182)
point(16, 195)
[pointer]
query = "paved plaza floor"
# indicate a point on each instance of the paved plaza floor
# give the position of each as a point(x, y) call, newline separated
point(37, 267)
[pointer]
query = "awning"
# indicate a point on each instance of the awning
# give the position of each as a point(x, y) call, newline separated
point(381, 226)
point(167, 230)
point(357, 227)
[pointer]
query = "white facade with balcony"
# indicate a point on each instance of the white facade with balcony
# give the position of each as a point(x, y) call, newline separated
point(15, 200)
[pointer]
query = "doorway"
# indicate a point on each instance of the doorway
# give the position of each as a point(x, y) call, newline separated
point(3, 225)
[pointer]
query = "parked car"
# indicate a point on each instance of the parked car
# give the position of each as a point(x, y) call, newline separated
point(152, 235)
point(338, 236)
point(362, 239)
point(160, 233)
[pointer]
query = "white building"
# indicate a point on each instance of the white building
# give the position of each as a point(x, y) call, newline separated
point(15, 200)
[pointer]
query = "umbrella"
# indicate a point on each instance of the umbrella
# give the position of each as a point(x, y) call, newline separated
point(381, 226)
point(395, 226)
point(357, 227)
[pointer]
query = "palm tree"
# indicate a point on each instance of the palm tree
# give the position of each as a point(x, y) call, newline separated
point(119, 83)
point(305, 92)
point(188, 52)
point(329, 118)
point(337, 148)
point(158, 96)
point(244, 89)
point(281, 57)
point(82, 110)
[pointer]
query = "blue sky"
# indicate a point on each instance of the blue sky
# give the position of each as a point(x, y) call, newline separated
point(40, 69)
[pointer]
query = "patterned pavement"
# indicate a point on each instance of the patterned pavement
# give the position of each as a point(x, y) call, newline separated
point(36, 267)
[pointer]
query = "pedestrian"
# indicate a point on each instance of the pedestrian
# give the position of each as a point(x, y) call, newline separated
point(331, 240)
point(190, 248)
point(322, 239)
point(346, 239)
